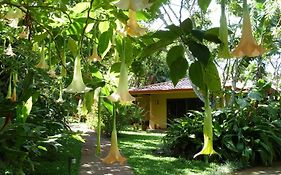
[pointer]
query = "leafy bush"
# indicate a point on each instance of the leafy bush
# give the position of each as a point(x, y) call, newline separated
point(247, 133)
point(125, 116)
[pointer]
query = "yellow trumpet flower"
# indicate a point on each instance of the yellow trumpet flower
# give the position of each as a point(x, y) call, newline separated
point(114, 153)
point(94, 57)
point(77, 85)
point(132, 4)
point(132, 28)
point(42, 62)
point(223, 35)
point(247, 45)
point(122, 94)
point(207, 131)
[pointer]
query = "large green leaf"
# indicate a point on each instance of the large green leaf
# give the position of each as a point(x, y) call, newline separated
point(177, 63)
point(200, 51)
point(212, 78)
point(186, 26)
point(175, 29)
point(212, 35)
point(204, 4)
point(198, 34)
point(196, 75)
point(23, 110)
point(104, 42)
point(162, 34)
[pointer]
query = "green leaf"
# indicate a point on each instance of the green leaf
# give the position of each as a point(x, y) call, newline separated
point(186, 26)
point(42, 148)
point(23, 111)
point(161, 34)
point(81, 7)
point(115, 67)
point(200, 51)
point(108, 105)
point(76, 27)
point(212, 35)
point(204, 4)
point(103, 26)
point(40, 37)
point(196, 75)
point(212, 78)
point(199, 34)
point(176, 29)
point(73, 47)
point(78, 138)
point(177, 63)
point(104, 42)
point(255, 95)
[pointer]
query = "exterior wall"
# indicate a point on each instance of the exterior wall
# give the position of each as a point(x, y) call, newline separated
point(158, 107)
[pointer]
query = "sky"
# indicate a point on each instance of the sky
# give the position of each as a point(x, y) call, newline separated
point(159, 24)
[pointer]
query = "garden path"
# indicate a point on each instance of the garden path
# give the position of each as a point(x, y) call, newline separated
point(90, 163)
point(273, 170)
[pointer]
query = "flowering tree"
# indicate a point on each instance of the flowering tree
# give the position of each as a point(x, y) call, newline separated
point(78, 44)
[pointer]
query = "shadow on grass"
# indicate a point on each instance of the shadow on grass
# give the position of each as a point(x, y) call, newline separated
point(140, 147)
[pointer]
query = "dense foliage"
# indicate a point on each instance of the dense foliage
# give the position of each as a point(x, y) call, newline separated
point(126, 116)
point(247, 132)
point(51, 47)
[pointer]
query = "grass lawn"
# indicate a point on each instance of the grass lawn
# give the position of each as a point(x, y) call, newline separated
point(57, 163)
point(139, 147)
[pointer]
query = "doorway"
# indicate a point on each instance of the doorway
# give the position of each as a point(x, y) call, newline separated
point(177, 108)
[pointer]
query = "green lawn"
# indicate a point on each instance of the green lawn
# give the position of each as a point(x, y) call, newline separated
point(139, 148)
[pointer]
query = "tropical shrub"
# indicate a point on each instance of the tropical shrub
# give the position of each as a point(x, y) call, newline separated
point(247, 133)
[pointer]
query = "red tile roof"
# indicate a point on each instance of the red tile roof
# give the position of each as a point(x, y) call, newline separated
point(183, 85)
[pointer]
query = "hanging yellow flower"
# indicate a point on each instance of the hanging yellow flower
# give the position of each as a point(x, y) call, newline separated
point(77, 85)
point(247, 45)
point(207, 131)
point(114, 154)
point(223, 34)
point(132, 4)
point(42, 62)
point(94, 57)
point(132, 28)
point(122, 94)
